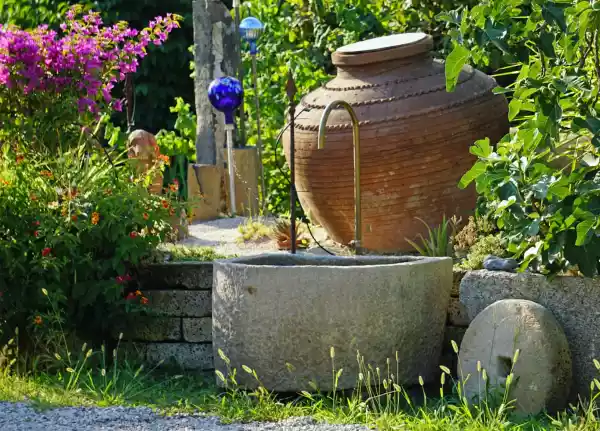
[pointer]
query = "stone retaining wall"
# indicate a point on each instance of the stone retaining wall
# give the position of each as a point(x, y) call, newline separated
point(456, 324)
point(178, 330)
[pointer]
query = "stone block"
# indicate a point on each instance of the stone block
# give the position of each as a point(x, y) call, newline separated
point(186, 356)
point(153, 328)
point(197, 330)
point(180, 303)
point(574, 301)
point(204, 192)
point(457, 313)
point(177, 275)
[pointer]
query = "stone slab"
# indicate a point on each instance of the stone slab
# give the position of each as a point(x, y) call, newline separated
point(574, 301)
point(542, 371)
point(180, 303)
point(177, 275)
point(186, 356)
point(197, 330)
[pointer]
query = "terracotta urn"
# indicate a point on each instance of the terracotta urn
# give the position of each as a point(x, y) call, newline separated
point(414, 141)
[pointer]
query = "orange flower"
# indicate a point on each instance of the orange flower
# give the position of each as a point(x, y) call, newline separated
point(74, 217)
point(138, 293)
point(19, 158)
point(46, 174)
point(95, 218)
point(171, 211)
point(165, 204)
point(38, 320)
point(174, 187)
point(165, 159)
point(146, 216)
point(144, 300)
point(4, 182)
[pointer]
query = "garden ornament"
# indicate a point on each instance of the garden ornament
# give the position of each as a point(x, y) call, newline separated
point(250, 30)
point(226, 94)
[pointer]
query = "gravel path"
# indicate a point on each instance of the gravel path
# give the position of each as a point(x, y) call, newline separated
point(222, 234)
point(20, 417)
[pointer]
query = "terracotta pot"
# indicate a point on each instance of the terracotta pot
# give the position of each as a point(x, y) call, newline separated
point(415, 140)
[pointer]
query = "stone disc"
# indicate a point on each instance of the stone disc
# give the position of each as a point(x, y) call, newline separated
point(542, 371)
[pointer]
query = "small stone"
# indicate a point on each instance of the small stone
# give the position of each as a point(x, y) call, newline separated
point(494, 263)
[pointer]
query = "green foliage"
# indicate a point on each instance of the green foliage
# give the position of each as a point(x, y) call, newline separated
point(253, 230)
point(76, 227)
point(182, 253)
point(31, 13)
point(541, 182)
point(181, 140)
point(439, 239)
point(484, 246)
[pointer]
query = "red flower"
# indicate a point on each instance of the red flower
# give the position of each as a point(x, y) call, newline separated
point(46, 251)
point(165, 204)
point(38, 320)
point(144, 300)
point(119, 279)
point(74, 217)
point(36, 233)
point(146, 216)
point(36, 223)
point(133, 234)
point(130, 296)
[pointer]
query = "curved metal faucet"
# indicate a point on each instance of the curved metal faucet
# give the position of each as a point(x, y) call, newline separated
point(356, 147)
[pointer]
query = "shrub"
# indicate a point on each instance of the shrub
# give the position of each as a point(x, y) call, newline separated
point(75, 226)
point(54, 83)
point(484, 246)
point(539, 184)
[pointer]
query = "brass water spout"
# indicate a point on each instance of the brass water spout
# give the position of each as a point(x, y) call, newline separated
point(356, 147)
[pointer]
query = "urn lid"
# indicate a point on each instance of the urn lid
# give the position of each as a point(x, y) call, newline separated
point(384, 48)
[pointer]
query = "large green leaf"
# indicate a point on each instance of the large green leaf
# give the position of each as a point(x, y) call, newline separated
point(472, 174)
point(454, 64)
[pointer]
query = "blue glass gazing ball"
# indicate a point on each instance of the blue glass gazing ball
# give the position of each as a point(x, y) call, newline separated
point(226, 94)
point(251, 28)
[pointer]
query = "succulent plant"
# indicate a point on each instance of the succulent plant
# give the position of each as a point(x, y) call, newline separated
point(282, 233)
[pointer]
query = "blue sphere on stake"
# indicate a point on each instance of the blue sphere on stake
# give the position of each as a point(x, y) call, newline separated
point(250, 29)
point(226, 94)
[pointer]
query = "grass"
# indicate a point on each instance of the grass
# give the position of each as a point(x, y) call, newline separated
point(378, 401)
point(183, 253)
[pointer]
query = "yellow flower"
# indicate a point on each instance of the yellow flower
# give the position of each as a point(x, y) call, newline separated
point(95, 218)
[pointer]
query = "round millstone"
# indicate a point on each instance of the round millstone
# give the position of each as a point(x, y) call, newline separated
point(542, 371)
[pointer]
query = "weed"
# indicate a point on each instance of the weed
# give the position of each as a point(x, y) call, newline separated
point(439, 239)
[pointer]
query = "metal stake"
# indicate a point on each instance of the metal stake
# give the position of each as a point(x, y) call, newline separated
point(259, 144)
point(291, 91)
point(229, 129)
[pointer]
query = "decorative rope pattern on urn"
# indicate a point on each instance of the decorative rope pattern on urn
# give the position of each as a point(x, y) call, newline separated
point(384, 84)
point(394, 98)
point(342, 126)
